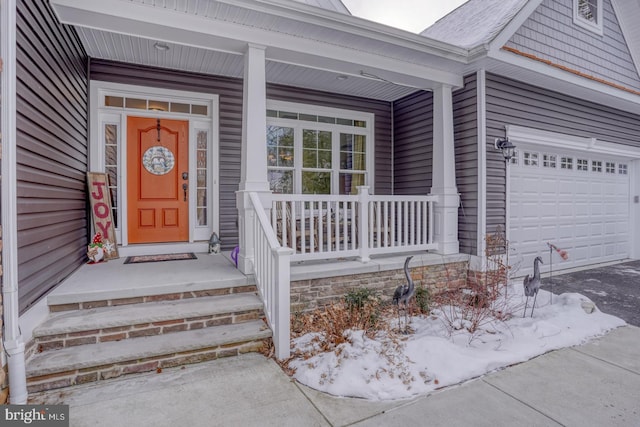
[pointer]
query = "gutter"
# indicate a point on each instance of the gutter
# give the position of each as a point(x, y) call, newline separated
point(12, 338)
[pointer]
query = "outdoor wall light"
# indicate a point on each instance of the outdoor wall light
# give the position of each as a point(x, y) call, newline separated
point(507, 148)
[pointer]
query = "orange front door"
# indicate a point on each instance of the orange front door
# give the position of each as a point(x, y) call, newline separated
point(157, 180)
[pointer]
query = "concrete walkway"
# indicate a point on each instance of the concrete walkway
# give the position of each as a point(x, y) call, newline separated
point(595, 384)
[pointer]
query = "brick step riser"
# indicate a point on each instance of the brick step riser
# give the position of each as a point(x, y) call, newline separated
point(156, 363)
point(56, 308)
point(118, 333)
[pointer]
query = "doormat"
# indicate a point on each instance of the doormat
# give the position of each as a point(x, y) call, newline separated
point(137, 259)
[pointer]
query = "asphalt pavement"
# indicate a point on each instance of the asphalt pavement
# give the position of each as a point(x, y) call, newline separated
point(615, 289)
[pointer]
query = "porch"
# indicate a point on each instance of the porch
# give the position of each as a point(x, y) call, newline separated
point(112, 318)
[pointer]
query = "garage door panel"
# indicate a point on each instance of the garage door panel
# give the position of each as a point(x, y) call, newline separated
point(583, 212)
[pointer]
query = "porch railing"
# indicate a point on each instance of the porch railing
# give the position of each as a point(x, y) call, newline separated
point(334, 226)
point(271, 266)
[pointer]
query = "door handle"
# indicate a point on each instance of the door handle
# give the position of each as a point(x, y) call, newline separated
point(184, 188)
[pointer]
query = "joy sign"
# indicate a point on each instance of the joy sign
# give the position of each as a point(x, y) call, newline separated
point(98, 184)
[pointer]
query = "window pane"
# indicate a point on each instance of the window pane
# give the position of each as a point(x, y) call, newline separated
point(280, 150)
point(316, 182)
point(158, 105)
point(349, 182)
point(280, 181)
point(202, 178)
point(199, 109)
point(202, 216)
point(113, 101)
point(316, 149)
point(309, 158)
point(177, 107)
point(136, 103)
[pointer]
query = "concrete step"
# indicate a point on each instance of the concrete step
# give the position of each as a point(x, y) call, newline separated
point(104, 360)
point(89, 326)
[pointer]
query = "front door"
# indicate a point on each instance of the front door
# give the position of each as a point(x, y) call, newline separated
point(157, 180)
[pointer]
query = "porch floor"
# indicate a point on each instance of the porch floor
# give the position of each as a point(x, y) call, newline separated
point(114, 279)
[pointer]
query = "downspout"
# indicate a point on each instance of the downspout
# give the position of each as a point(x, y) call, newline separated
point(13, 344)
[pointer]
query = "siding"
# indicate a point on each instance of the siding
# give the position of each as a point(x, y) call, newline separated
point(413, 144)
point(413, 153)
point(465, 127)
point(550, 34)
point(516, 103)
point(230, 131)
point(52, 138)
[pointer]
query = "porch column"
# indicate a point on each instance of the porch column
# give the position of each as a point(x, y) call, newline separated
point(443, 183)
point(253, 175)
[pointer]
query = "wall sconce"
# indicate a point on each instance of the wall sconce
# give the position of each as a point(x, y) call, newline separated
point(507, 148)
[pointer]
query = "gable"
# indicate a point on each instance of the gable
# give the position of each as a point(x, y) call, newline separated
point(550, 35)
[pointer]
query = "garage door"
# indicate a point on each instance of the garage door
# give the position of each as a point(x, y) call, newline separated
point(577, 201)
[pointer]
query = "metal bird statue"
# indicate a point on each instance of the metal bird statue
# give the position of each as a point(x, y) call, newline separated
point(404, 293)
point(532, 285)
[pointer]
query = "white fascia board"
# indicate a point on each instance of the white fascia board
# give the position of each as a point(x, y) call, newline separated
point(349, 23)
point(525, 135)
point(563, 76)
point(514, 25)
point(192, 30)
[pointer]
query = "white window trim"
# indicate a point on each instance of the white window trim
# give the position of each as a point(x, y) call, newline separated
point(596, 27)
point(101, 115)
point(297, 125)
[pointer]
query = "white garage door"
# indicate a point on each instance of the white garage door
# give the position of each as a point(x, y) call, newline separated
point(577, 201)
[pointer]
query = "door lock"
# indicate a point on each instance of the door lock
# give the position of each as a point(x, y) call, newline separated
point(185, 175)
point(184, 188)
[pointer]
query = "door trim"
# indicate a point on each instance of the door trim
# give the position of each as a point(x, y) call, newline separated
point(101, 115)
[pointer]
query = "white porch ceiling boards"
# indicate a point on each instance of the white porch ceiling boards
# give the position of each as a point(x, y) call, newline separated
point(207, 35)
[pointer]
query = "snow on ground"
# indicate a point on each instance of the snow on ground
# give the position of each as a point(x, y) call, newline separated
point(401, 366)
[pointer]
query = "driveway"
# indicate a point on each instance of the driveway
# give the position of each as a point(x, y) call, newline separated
point(615, 289)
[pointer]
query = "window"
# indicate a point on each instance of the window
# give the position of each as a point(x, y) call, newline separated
point(566, 163)
point(582, 165)
point(530, 159)
point(202, 181)
point(588, 14)
point(316, 150)
point(596, 166)
point(610, 167)
point(111, 165)
point(622, 169)
point(549, 160)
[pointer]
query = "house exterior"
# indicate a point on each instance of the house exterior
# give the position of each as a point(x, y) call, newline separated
point(351, 108)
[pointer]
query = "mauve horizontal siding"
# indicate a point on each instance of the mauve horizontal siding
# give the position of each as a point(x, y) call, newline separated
point(413, 144)
point(51, 120)
point(381, 110)
point(511, 102)
point(465, 126)
point(551, 34)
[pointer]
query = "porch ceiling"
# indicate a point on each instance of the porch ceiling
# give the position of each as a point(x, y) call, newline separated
point(305, 46)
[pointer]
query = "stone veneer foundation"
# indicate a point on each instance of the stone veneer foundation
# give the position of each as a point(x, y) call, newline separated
point(309, 294)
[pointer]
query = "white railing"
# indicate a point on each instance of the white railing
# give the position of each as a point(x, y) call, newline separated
point(328, 226)
point(271, 266)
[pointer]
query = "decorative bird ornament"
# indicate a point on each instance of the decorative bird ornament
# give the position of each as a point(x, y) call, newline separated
point(404, 293)
point(532, 285)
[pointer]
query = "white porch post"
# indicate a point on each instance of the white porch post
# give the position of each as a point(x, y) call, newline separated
point(443, 183)
point(253, 176)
